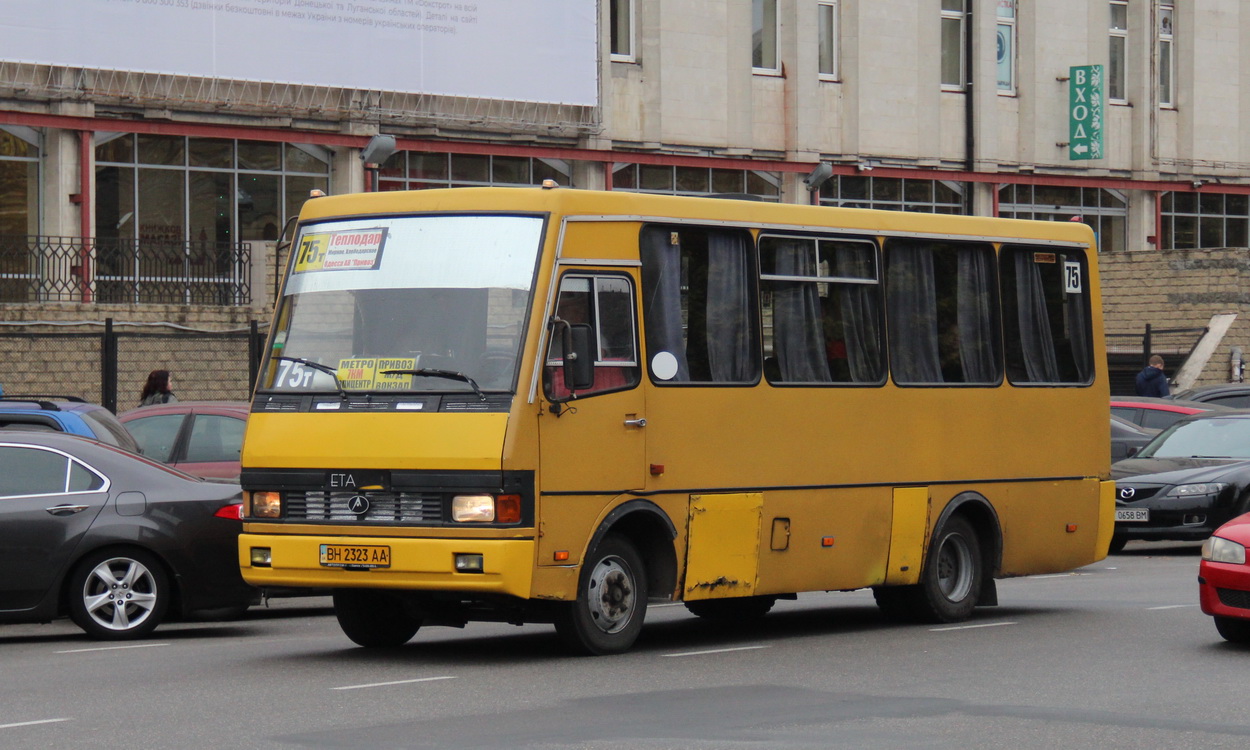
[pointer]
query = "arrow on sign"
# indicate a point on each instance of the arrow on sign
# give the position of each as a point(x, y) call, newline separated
point(1080, 148)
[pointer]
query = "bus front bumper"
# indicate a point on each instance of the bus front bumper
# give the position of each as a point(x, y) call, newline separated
point(371, 562)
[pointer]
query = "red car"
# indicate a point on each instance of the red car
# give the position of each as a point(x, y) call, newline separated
point(1157, 413)
point(1224, 579)
point(203, 438)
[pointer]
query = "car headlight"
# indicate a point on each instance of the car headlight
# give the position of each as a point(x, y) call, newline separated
point(1205, 488)
point(1221, 550)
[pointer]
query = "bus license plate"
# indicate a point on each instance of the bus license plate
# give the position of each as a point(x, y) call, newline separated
point(355, 556)
point(1132, 514)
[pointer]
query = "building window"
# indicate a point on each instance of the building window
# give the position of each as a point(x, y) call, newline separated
point(1203, 220)
point(1007, 46)
point(19, 181)
point(1167, 59)
point(170, 211)
point(700, 181)
point(1104, 210)
point(893, 194)
point(764, 32)
point(175, 188)
point(827, 28)
point(1118, 52)
point(953, 31)
point(621, 30)
point(417, 170)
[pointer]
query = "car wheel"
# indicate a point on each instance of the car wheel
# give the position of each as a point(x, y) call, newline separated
point(949, 584)
point(1117, 545)
point(1233, 629)
point(738, 608)
point(611, 603)
point(116, 595)
point(374, 619)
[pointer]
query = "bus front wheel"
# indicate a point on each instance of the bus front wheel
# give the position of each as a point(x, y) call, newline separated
point(611, 601)
point(949, 584)
point(374, 619)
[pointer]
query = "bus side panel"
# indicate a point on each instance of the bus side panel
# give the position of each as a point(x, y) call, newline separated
point(1049, 527)
point(834, 539)
point(908, 530)
point(723, 554)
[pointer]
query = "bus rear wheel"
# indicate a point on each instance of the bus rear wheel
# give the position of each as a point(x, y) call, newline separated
point(611, 603)
point(735, 609)
point(374, 619)
point(949, 584)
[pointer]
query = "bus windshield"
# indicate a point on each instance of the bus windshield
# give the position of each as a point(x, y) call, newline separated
point(416, 303)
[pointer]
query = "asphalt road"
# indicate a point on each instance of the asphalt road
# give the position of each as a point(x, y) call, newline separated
point(1115, 655)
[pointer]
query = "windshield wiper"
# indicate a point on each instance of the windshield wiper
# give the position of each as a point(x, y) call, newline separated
point(440, 374)
point(323, 368)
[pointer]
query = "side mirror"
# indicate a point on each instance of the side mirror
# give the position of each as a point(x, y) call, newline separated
point(579, 357)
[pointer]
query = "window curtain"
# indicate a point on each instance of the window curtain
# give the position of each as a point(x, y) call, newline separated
point(911, 301)
point(1078, 324)
point(1036, 341)
point(798, 331)
point(661, 292)
point(975, 317)
point(729, 339)
point(860, 322)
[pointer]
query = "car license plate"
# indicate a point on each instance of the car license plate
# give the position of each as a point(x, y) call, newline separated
point(1132, 514)
point(355, 556)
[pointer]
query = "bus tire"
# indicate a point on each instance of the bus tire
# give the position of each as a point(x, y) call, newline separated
point(607, 615)
point(374, 619)
point(738, 608)
point(949, 584)
point(1117, 544)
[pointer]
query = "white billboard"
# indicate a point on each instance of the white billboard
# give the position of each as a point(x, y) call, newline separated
point(514, 50)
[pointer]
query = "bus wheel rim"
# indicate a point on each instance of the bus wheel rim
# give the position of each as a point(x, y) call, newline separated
point(610, 595)
point(955, 568)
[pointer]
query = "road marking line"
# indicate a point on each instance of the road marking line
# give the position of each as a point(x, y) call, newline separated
point(395, 682)
point(970, 627)
point(717, 651)
point(1171, 606)
point(111, 648)
point(32, 723)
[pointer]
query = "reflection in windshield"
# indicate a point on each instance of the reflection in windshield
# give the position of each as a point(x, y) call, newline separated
point(1221, 437)
point(445, 294)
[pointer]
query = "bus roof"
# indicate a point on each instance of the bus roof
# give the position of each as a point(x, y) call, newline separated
point(711, 209)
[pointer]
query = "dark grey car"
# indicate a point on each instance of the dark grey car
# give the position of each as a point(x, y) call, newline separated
point(113, 540)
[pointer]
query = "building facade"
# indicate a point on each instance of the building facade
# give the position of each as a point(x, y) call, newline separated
point(154, 189)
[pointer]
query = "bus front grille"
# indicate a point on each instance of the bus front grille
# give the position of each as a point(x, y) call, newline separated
point(380, 507)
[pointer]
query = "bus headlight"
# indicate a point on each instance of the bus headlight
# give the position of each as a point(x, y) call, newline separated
point(473, 508)
point(265, 505)
point(1218, 549)
point(486, 509)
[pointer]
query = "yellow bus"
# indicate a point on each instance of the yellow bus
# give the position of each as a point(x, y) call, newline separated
point(552, 405)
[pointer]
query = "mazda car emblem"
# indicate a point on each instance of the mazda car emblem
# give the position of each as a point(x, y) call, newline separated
point(358, 504)
point(1125, 494)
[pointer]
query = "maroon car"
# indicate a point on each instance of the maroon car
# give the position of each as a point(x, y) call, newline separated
point(203, 438)
point(1224, 579)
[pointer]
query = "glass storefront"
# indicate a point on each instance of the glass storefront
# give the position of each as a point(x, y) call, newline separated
point(19, 184)
point(416, 170)
point(893, 194)
point(698, 181)
point(1104, 210)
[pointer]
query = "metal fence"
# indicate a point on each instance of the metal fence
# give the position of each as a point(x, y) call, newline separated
point(75, 269)
point(110, 366)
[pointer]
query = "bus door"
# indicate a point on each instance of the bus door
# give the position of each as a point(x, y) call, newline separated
point(593, 433)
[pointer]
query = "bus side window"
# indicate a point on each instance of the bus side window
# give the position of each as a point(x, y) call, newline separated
point(1046, 316)
point(606, 304)
point(699, 305)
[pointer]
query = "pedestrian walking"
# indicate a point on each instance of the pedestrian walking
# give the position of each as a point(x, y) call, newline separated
point(1152, 381)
